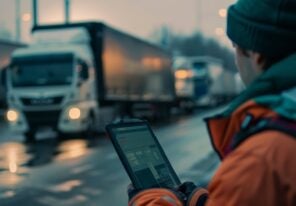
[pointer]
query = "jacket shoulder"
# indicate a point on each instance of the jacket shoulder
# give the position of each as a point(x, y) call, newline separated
point(257, 172)
point(271, 146)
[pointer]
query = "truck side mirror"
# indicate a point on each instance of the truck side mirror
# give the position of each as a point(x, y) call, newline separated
point(83, 73)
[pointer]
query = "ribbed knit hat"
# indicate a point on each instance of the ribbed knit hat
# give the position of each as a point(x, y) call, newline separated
point(264, 26)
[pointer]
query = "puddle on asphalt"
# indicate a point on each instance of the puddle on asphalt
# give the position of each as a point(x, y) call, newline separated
point(13, 157)
point(72, 149)
point(66, 186)
point(17, 158)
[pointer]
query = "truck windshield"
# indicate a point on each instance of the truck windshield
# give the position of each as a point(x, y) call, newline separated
point(42, 73)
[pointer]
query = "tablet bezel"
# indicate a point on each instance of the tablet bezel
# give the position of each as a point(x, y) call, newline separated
point(122, 157)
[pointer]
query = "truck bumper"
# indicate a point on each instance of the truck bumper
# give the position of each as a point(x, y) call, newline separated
point(57, 119)
point(33, 120)
point(70, 126)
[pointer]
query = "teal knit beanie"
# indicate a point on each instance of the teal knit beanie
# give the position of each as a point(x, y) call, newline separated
point(264, 26)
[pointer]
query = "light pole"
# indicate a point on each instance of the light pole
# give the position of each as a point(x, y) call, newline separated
point(200, 13)
point(222, 12)
point(67, 11)
point(17, 20)
point(35, 13)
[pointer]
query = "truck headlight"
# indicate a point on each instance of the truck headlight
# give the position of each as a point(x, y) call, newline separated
point(12, 115)
point(74, 113)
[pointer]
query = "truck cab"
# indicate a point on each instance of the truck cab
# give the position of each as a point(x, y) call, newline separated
point(51, 83)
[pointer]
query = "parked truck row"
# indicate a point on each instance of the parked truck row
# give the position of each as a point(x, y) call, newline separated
point(75, 78)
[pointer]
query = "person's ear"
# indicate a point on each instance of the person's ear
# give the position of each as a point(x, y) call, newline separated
point(258, 59)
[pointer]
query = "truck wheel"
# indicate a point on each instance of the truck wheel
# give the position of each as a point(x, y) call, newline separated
point(166, 112)
point(30, 136)
point(163, 113)
point(189, 107)
point(189, 110)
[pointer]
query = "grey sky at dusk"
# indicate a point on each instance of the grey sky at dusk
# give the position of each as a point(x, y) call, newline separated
point(139, 17)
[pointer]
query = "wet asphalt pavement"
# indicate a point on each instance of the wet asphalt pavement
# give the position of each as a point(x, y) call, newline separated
point(87, 172)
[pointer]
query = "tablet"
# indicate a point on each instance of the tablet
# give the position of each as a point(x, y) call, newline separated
point(142, 156)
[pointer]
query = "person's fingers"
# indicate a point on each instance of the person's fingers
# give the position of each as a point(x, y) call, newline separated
point(131, 190)
point(187, 187)
point(130, 187)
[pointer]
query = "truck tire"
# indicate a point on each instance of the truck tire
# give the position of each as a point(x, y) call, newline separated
point(189, 110)
point(30, 136)
point(187, 106)
point(162, 113)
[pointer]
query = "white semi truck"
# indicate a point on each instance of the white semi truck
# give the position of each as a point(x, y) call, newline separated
point(74, 77)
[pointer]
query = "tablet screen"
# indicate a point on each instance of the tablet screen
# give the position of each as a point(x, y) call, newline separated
point(147, 162)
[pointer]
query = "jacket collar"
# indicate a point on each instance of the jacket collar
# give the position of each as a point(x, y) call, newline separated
point(270, 95)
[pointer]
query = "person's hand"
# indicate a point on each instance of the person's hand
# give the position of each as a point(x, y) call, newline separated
point(187, 193)
point(194, 194)
point(131, 191)
point(187, 188)
point(155, 196)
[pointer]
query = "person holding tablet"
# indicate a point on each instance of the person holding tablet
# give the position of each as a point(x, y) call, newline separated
point(256, 135)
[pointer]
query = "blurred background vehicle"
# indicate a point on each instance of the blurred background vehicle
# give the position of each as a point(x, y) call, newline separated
point(204, 81)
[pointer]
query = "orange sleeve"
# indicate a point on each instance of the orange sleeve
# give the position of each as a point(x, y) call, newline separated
point(244, 179)
point(156, 197)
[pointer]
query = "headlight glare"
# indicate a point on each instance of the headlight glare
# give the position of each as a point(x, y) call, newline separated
point(74, 113)
point(12, 115)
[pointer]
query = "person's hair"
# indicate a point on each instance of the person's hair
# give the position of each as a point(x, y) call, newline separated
point(269, 60)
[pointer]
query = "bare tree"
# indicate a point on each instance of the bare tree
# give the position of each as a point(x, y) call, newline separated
point(195, 44)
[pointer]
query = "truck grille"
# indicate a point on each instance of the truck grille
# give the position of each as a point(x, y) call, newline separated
point(42, 118)
point(42, 101)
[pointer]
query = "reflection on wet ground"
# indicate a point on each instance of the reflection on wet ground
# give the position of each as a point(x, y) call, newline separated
point(17, 158)
point(57, 171)
point(87, 172)
point(72, 149)
point(13, 159)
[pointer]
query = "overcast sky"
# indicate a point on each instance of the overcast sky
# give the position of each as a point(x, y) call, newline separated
point(139, 17)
